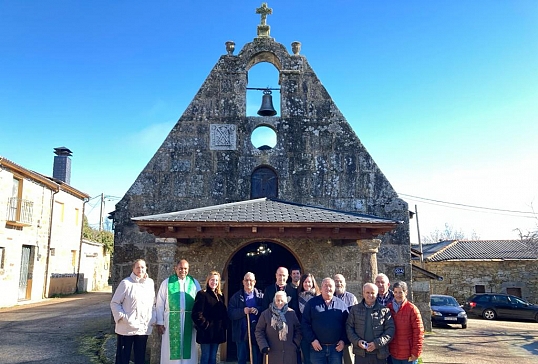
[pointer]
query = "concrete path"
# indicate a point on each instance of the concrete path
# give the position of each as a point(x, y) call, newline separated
point(55, 331)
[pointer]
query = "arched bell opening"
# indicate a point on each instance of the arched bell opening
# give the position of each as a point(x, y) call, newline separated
point(263, 90)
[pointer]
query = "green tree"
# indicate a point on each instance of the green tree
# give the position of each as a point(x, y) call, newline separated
point(104, 237)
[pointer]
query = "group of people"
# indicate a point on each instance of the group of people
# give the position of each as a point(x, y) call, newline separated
point(287, 323)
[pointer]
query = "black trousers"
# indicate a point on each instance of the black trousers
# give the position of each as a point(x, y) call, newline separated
point(128, 343)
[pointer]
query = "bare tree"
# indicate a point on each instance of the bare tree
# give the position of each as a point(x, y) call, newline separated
point(529, 235)
point(449, 233)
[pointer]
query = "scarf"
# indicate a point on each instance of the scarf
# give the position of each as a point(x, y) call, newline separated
point(304, 297)
point(278, 320)
point(180, 347)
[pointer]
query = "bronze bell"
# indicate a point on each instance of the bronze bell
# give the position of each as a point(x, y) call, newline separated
point(267, 108)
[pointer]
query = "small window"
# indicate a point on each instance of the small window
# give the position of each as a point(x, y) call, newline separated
point(480, 288)
point(514, 291)
point(483, 298)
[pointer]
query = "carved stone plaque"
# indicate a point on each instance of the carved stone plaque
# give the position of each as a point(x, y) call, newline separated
point(222, 137)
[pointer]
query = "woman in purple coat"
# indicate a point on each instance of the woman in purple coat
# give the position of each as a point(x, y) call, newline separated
point(278, 331)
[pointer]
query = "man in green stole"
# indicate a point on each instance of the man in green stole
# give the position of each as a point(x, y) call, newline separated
point(174, 305)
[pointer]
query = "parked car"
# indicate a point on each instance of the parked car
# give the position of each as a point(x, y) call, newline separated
point(446, 310)
point(498, 305)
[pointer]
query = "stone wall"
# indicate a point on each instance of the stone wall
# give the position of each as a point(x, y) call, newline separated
point(318, 160)
point(461, 277)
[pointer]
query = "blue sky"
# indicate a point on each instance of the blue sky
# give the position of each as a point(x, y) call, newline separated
point(443, 94)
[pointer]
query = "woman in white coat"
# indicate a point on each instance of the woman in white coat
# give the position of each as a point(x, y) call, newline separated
point(133, 308)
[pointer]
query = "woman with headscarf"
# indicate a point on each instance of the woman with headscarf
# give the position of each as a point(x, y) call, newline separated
point(278, 331)
point(307, 289)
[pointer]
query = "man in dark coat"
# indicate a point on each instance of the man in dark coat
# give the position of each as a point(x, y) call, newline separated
point(281, 285)
point(246, 301)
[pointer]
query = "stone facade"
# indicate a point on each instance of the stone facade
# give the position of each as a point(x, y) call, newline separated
point(208, 159)
point(461, 277)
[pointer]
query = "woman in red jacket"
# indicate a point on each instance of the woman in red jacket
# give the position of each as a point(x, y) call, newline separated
point(406, 346)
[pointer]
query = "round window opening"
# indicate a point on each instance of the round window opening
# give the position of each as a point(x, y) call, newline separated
point(263, 137)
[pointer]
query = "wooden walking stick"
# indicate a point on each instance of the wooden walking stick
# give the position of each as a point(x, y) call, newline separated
point(249, 339)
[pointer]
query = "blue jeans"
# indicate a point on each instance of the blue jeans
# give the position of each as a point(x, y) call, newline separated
point(242, 352)
point(209, 353)
point(396, 361)
point(327, 355)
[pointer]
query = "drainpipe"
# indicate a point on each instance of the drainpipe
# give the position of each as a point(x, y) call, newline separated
point(81, 237)
point(47, 262)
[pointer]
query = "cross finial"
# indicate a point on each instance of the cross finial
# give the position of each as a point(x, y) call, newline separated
point(264, 10)
point(263, 28)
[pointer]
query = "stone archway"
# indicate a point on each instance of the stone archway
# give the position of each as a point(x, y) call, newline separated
point(250, 259)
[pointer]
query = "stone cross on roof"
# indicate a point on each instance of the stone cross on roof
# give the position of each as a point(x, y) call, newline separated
point(264, 11)
point(263, 28)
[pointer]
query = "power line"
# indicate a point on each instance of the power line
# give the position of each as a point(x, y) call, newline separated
point(468, 207)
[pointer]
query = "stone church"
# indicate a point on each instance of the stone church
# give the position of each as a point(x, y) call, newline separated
point(314, 198)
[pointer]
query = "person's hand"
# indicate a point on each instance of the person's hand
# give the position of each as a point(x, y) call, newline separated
point(161, 329)
point(246, 310)
point(412, 358)
point(266, 350)
point(371, 347)
point(254, 310)
point(340, 346)
point(316, 345)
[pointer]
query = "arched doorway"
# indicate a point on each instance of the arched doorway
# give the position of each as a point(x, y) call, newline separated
point(261, 258)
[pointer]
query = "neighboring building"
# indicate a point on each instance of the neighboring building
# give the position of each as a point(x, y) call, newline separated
point(479, 266)
point(94, 267)
point(40, 234)
point(316, 198)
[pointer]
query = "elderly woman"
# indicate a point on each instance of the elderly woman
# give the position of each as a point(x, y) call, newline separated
point(406, 346)
point(278, 331)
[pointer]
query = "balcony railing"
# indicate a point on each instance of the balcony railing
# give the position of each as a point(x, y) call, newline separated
point(19, 211)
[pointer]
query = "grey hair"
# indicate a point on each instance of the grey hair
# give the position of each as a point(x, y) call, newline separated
point(247, 274)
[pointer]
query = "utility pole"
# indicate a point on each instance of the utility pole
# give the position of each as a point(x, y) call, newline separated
point(419, 241)
point(101, 212)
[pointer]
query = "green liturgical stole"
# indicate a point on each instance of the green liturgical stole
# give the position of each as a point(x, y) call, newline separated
point(180, 346)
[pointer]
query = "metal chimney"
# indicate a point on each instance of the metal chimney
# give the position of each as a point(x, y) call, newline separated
point(62, 164)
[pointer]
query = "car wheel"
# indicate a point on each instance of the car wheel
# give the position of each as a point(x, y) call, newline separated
point(463, 326)
point(489, 314)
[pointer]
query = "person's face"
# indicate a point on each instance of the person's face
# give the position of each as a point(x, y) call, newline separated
point(327, 289)
point(339, 284)
point(182, 269)
point(295, 276)
point(213, 282)
point(139, 269)
point(281, 276)
point(399, 295)
point(248, 283)
point(369, 293)
point(308, 284)
point(382, 285)
point(280, 300)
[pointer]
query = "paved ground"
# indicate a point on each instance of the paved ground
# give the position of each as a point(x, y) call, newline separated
point(71, 330)
point(56, 331)
point(483, 342)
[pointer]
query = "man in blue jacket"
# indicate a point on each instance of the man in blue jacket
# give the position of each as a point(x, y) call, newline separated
point(247, 302)
point(324, 325)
